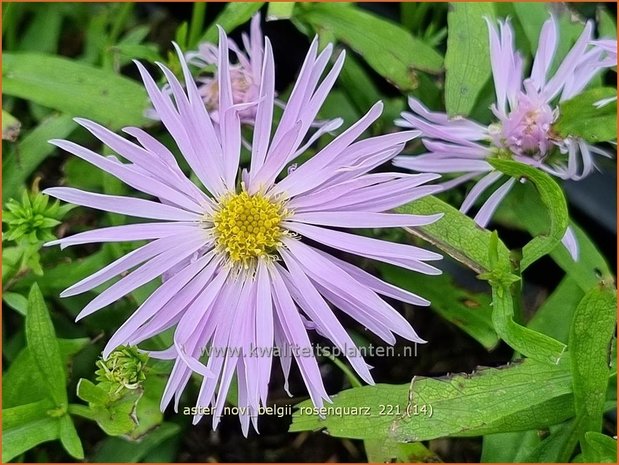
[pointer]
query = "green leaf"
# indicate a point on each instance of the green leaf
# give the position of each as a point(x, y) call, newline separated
point(535, 345)
point(488, 401)
point(467, 61)
point(591, 334)
point(522, 209)
point(581, 117)
point(383, 450)
point(70, 439)
point(508, 447)
point(232, 16)
point(74, 88)
point(455, 234)
point(558, 447)
point(23, 382)
point(280, 10)
point(551, 197)
point(16, 301)
point(603, 449)
point(532, 16)
point(120, 450)
point(469, 311)
point(44, 347)
point(15, 417)
point(21, 160)
point(374, 38)
point(88, 391)
point(25, 427)
point(10, 127)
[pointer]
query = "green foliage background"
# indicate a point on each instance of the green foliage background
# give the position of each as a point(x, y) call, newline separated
point(65, 60)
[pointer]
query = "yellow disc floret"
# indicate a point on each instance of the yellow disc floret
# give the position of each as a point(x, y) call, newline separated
point(248, 227)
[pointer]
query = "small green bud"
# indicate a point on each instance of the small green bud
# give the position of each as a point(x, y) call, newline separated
point(31, 220)
point(125, 368)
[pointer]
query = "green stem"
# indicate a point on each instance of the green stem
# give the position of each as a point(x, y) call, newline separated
point(81, 411)
point(197, 23)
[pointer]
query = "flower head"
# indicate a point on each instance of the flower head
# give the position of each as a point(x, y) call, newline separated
point(244, 75)
point(525, 110)
point(245, 279)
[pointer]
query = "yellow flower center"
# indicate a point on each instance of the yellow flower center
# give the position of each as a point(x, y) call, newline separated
point(248, 227)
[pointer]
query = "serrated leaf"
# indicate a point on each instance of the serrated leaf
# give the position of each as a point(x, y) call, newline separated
point(388, 48)
point(583, 117)
point(457, 405)
point(591, 334)
point(232, 16)
point(74, 88)
point(455, 234)
point(551, 196)
point(467, 61)
point(44, 347)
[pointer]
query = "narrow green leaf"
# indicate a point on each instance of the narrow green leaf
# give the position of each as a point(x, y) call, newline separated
point(551, 196)
point(21, 160)
point(70, 439)
point(603, 449)
point(10, 127)
point(469, 311)
point(280, 10)
point(16, 301)
point(558, 447)
point(488, 401)
point(14, 417)
point(383, 450)
point(16, 441)
point(508, 447)
point(44, 347)
point(455, 234)
point(582, 117)
point(467, 61)
point(74, 88)
point(591, 333)
point(23, 382)
point(232, 16)
point(535, 345)
point(374, 38)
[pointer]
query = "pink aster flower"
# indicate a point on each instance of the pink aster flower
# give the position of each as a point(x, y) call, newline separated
point(525, 110)
point(244, 75)
point(245, 278)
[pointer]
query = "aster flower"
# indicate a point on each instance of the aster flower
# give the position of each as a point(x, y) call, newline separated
point(245, 278)
point(245, 74)
point(525, 110)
